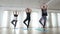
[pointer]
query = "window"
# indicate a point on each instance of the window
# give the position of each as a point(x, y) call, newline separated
point(58, 19)
point(53, 16)
point(4, 19)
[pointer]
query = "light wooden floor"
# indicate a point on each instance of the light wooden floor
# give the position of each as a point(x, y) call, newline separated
point(29, 31)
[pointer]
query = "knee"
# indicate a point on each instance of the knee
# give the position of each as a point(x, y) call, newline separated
point(12, 21)
point(16, 20)
point(23, 21)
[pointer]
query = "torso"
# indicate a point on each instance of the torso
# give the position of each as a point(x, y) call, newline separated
point(15, 15)
point(28, 15)
point(44, 12)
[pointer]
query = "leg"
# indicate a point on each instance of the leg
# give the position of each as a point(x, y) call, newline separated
point(28, 23)
point(25, 21)
point(13, 22)
point(41, 20)
point(44, 21)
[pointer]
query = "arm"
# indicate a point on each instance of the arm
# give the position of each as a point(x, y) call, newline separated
point(30, 11)
point(18, 13)
point(46, 6)
point(41, 7)
point(26, 10)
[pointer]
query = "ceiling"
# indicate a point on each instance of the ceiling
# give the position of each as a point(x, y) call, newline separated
point(52, 4)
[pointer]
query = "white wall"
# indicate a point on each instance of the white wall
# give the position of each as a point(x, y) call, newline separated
point(52, 18)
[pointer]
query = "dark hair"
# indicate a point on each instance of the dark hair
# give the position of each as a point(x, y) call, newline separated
point(28, 9)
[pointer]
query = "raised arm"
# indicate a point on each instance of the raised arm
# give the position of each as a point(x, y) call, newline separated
point(17, 12)
point(46, 6)
point(26, 10)
point(41, 7)
point(30, 10)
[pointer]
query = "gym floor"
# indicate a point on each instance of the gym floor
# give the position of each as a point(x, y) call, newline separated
point(4, 30)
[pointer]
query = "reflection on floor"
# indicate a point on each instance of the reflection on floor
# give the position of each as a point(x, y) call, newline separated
point(29, 31)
